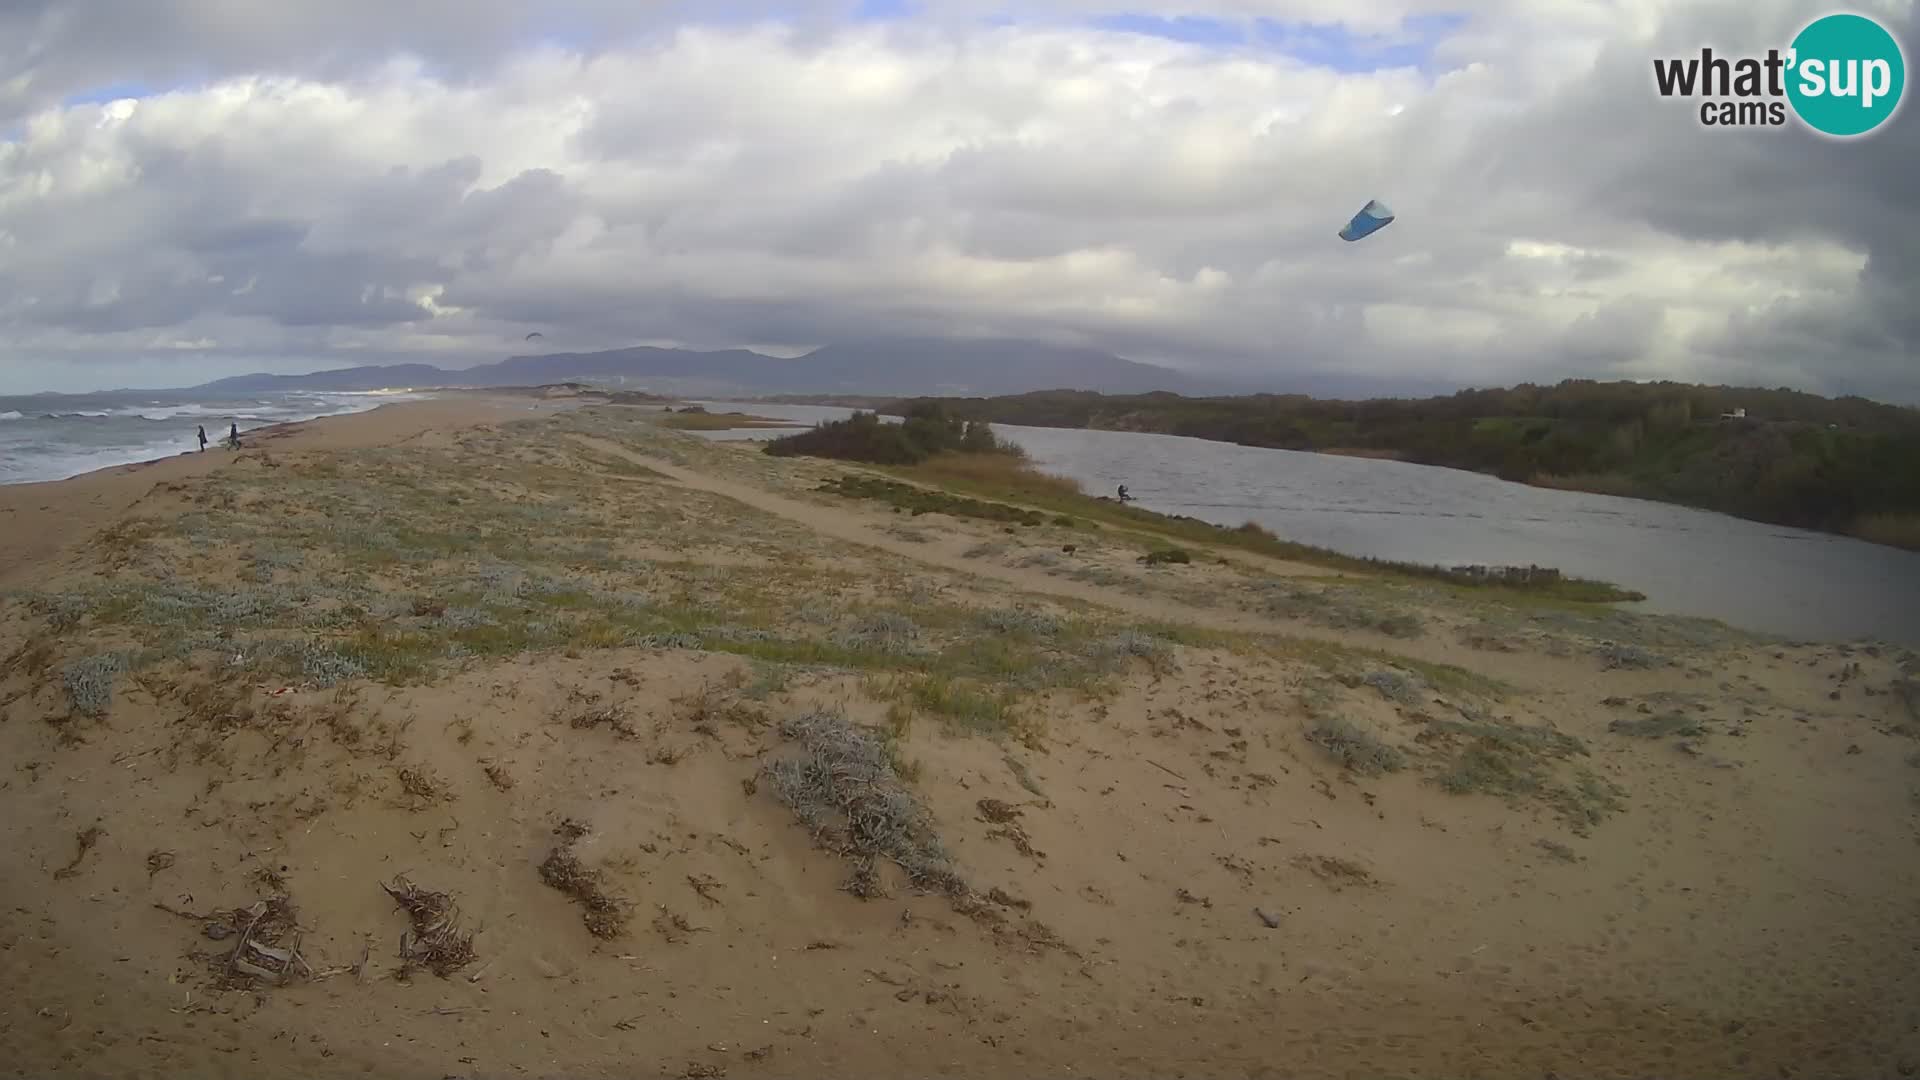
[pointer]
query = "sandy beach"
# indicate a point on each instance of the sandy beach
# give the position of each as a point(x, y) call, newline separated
point(41, 519)
point(501, 737)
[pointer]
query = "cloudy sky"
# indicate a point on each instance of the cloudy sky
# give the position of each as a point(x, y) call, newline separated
point(198, 188)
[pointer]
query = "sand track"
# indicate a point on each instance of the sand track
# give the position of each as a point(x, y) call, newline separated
point(1186, 885)
point(867, 529)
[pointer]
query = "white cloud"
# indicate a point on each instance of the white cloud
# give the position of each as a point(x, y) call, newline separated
point(361, 181)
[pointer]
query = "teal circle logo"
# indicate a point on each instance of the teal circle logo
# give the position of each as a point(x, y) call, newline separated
point(1847, 75)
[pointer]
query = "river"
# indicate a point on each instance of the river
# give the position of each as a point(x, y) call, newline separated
point(1766, 578)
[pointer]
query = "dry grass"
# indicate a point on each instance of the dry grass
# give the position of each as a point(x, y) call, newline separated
point(1557, 850)
point(843, 787)
point(1333, 870)
point(266, 942)
point(605, 915)
point(1894, 530)
point(998, 473)
point(435, 942)
point(996, 812)
point(84, 841)
point(498, 775)
point(421, 786)
point(612, 717)
point(1356, 750)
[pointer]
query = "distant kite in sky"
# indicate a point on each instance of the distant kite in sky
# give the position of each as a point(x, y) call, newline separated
point(535, 334)
point(1371, 219)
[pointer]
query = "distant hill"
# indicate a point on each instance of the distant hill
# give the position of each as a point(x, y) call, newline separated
point(372, 377)
point(970, 367)
point(882, 367)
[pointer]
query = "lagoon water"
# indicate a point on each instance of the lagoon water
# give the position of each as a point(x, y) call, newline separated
point(1767, 578)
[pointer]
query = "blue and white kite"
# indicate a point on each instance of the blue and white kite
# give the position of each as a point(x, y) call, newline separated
point(1371, 219)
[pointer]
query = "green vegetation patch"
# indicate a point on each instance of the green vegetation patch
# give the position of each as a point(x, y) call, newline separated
point(963, 456)
point(918, 500)
point(1338, 608)
point(1482, 755)
point(1354, 749)
point(1657, 727)
point(1004, 478)
point(1841, 464)
point(925, 432)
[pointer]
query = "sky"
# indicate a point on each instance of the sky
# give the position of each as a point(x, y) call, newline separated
point(197, 188)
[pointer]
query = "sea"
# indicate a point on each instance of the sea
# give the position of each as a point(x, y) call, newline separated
point(56, 436)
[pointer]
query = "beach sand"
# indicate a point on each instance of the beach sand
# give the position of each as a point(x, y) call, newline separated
point(608, 688)
point(38, 520)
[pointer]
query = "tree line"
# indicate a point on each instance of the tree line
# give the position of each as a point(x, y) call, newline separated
point(927, 429)
point(1848, 464)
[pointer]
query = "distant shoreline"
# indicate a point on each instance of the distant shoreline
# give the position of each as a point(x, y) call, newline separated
point(1668, 450)
point(574, 393)
point(1898, 531)
point(41, 518)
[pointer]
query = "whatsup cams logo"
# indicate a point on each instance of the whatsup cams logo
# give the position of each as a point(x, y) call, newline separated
point(1841, 76)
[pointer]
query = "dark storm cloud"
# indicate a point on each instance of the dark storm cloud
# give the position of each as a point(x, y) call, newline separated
point(736, 185)
point(186, 242)
point(1612, 335)
point(1655, 166)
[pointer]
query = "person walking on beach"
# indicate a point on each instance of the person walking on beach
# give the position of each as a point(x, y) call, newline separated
point(203, 438)
point(233, 436)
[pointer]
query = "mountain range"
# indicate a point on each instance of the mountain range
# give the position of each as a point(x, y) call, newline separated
point(902, 367)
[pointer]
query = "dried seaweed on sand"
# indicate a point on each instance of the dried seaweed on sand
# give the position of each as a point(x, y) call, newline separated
point(435, 941)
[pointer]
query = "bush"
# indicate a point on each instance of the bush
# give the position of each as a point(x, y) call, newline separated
point(89, 681)
point(1614, 655)
point(885, 632)
point(1355, 749)
point(1002, 475)
point(1022, 622)
point(1657, 727)
point(1395, 686)
point(842, 786)
point(1130, 644)
point(926, 432)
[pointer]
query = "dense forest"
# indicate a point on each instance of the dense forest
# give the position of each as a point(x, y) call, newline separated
point(1845, 465)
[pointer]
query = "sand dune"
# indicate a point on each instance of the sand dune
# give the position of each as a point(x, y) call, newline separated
point(610, 690)
point(40, 519)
